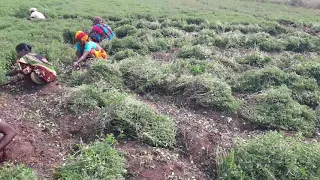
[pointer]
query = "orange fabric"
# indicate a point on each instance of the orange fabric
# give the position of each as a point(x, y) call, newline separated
point(81, 36)
point(102, 54)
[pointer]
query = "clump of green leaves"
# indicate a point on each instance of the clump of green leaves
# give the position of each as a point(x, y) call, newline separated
point(101, 71)
point(197, 67)
point(297, 44)
point(128, 43)
point(143, 74)
point(206, 91)
point(255, 60)
point(16, 172)
point(137, 120)
point(159, 44)
point(304, 90)
point(310, 69)
point(272, 156)
point(120, 55)
point(171, 32)
point(68, 36)
point(97, 160)
point(91, 97)
point(120, 112)
point(272, 45)
point(197, 51)
point(276, 108)
point(125, 30)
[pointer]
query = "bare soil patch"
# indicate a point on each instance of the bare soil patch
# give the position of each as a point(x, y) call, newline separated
point(149, 163)
point(165, 56)
point(46, 132)
point(200, 133)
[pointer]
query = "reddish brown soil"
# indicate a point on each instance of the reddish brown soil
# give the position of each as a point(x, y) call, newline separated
point(47, 133)
point(31, 146)
point(44, 135)
point(148, 163)
point(200, 133)
point(165, 56)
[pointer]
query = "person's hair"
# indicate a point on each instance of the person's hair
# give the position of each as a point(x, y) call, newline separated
point(97, 20)
point(23, 47)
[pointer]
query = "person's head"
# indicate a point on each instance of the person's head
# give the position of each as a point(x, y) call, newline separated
point(23, 49)
point(32, 10)
point(81, 37)
point(97, 20)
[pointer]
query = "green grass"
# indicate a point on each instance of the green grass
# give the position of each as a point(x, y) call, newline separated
point(310, 69)
point(120, 112)
point(275, 108)
point(101, 71)
point(16, 172)
point(255, 60)
point(143, 74)
point(222, 49)
point(97, 160)
point(205, 89)
point(49, 37)
point(304, 90)
point(272, 156)
point(138, 120)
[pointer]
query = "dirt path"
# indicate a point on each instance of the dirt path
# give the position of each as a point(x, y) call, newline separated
point(150, 163)
point(200, 133)
point(47, 133)
point(40, 143)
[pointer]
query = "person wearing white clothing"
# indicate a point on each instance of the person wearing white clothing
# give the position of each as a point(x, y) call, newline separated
point(34, 14)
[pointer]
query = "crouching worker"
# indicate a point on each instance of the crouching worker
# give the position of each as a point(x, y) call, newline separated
point(87, 49)
point(100, 31)
point(34, 67)
point(8, 134)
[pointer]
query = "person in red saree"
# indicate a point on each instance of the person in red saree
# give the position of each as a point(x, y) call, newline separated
point(100, 31)
point(34, 67)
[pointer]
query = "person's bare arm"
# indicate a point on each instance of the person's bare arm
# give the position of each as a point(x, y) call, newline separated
point(8, 132)
point(78, 54)
point(84, 55)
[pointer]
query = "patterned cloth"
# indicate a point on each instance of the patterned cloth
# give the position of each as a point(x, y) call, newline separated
point(39, 70)
point(98, 31)
point(99, 27)
point(93, 51)
point(81, 36)
point(89, 46)
point(99, 54)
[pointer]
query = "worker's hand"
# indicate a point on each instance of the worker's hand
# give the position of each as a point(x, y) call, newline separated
point(75, 65)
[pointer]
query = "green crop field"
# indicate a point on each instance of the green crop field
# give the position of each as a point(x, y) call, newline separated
point(256, 63)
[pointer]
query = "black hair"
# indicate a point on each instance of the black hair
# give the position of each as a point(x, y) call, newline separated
point(23, 47)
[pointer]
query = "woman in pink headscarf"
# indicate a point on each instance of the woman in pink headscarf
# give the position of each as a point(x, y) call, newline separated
point(100, 31)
